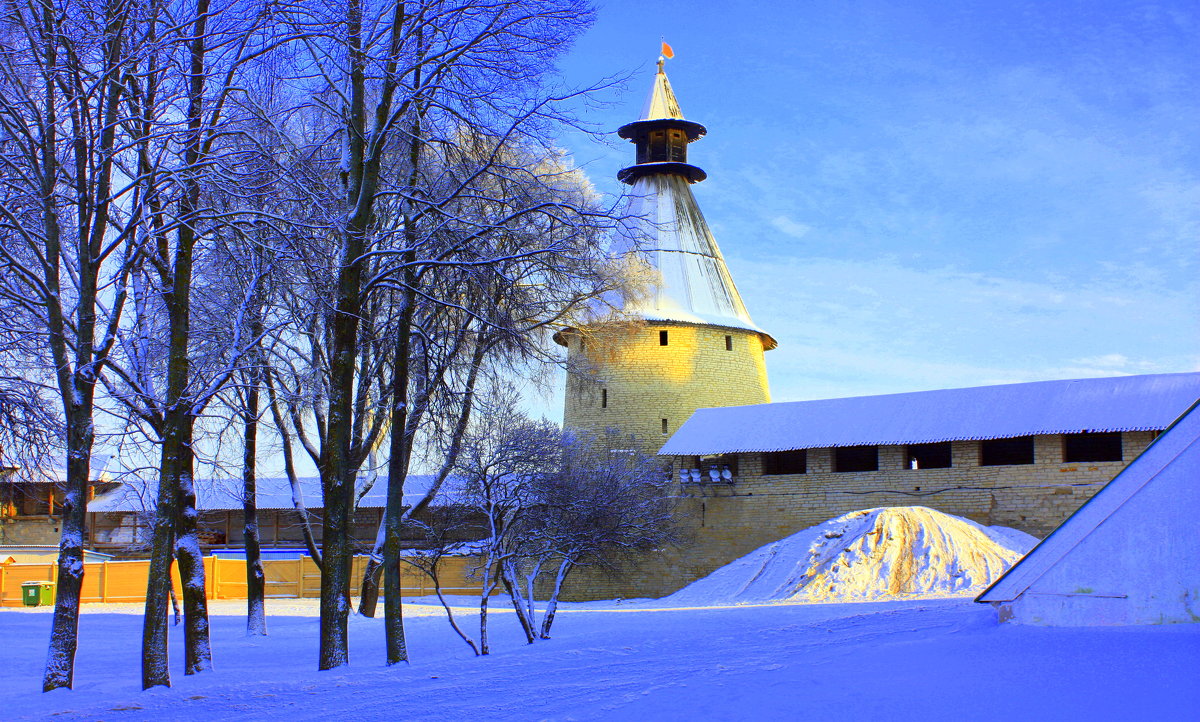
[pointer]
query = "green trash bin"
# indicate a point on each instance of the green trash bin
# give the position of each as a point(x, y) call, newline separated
point(36, 594)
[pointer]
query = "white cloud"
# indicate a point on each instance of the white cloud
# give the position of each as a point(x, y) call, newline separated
point(789, 227)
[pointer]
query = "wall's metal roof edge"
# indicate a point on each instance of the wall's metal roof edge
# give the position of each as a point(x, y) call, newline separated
point(1123, 403)
point(899, 442)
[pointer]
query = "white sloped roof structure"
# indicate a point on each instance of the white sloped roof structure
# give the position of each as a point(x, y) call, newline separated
point(1130, 555)
point(668, 233)
point(1124, 403)
point(136, 495)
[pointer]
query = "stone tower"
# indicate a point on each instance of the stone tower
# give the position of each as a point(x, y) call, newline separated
point(687, 344)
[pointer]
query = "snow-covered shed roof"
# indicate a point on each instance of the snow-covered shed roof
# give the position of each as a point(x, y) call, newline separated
point(1124, 403)
point(56, 473)
point(1130, 554)
point(273, 493)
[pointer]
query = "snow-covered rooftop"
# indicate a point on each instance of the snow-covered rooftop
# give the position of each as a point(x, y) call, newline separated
point(273, 493)
point(56, 473)
point(1125, 403)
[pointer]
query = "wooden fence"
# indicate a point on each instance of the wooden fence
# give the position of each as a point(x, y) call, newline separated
point(125, 581)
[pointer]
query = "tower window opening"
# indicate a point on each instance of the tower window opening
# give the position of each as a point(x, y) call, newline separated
point(662, 338)
point(604, 398)
point(658, 152)
point(677, 149)
point(1092, 447)
point(1005, 452)
point(664, 427)
point(729, 343)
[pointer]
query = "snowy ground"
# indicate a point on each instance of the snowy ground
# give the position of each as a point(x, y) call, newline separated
point(908, 660)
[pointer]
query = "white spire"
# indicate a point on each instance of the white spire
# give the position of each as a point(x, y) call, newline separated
point(661, 102)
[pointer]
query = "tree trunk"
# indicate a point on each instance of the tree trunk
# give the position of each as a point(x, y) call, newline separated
point(256, 620)
point(197, 650)
point(514, 594)
point(369, 595)
point(530, 582)
point(64, 630)
point(485, 594)
point(179, 417)
point(77, 385)
point(552, 604)
point(335, 569)
point(176, 613)
point(400, 445)
point(155, 671)
point(338, 473)
point(437, 589)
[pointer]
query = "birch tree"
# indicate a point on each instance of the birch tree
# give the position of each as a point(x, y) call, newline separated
point(551, 502)
point(504, 455)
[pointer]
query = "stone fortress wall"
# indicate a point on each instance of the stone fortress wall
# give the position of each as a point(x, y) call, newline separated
point(726, 521)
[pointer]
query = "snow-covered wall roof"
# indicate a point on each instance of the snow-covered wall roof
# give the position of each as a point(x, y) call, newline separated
point(273, 493)
point(56, 473)
point(1125, 403)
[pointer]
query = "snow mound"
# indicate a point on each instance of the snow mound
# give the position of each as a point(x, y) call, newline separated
point(874, 554)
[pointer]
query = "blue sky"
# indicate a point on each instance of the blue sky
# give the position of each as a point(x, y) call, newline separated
point(928, 194)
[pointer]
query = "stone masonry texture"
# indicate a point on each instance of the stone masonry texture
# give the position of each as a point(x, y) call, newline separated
point(723, 522)
point(622, 377)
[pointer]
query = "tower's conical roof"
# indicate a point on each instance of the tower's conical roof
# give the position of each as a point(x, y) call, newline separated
point(668, 233)
point(661, 102)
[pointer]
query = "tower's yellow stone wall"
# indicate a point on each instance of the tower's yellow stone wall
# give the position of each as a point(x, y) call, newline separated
point(622, 377)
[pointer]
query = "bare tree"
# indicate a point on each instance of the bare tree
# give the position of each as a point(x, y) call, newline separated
point(68, 209)
point(606, 504)
point(553, 502)
point(504, 455)
point(401, 88)
point(176, 114)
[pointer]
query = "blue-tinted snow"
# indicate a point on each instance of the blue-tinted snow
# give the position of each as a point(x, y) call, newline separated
point(922, 660)
point(1126, 403)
